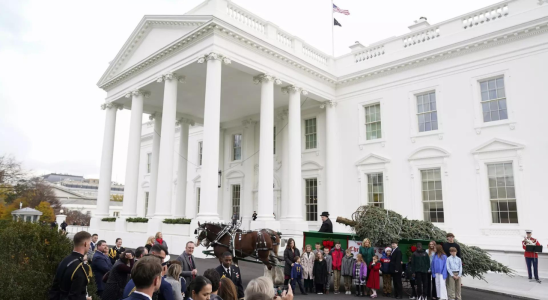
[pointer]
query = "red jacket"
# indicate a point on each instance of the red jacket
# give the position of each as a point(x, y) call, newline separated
point(530, 254)
point(337, 255)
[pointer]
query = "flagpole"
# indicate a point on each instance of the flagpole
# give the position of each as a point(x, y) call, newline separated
point(332, 30)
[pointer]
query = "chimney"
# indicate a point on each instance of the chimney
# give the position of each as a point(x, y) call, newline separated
point(420, 24)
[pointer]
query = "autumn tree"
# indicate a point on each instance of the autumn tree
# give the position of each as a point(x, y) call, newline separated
point(47, 212)
point(117, 198)
point(10, 170)
point(75, 216)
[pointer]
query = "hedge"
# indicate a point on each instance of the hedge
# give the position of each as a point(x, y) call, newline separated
point(30, 254)
point(137, 220)
point(108, 219)
point(177, 221)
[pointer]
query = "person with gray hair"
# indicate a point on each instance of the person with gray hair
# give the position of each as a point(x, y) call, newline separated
point(264, 285)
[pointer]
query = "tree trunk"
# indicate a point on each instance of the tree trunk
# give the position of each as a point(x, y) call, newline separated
point(346, 221)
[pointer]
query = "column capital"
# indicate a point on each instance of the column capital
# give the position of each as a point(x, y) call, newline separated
point(111, 105)
point(293, 89)
point(136, 93)
point(171, 76)
point(184, 121)
point(248, 123)
point(155, 115)
point(282, 114)
point(266, 78)
point(329, 103)
point(214, 56)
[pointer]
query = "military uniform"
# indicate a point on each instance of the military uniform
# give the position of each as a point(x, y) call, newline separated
point(71, 279)
point(235, 275)
point(531, 258)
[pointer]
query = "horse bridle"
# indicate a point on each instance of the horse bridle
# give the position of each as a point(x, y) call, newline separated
point(217, 238)
point(199, 232)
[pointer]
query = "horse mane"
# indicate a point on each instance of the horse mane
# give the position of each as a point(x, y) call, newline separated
point(218, 224)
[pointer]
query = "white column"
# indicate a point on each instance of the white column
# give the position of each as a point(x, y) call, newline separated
point(331, 172)
point(180, 199)
point(266, 143)
point(210, 152)
point(105, 173)
point(165, 163)
point(283, 136)
point(157, 117)
point(246, 196)
point(129, 208)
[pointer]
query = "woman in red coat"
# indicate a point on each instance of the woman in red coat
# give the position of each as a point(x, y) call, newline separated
point(373, 282)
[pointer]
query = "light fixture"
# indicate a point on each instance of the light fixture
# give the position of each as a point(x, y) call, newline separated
point(61, 211)
point(219, 183)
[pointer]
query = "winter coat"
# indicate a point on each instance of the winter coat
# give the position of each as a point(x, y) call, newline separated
point(385, 263)
point(289, 257)
point(320, 272)
point(395, 261)
point(329, 262)
point(439, 266)
point(367, 254)
point(347, 264)
point(327, 226)
point(164, 243)
point(420, 261)
point(307, 261)
point(363, 270)
point(297, 272)
point(373, 281)
point(337, 255)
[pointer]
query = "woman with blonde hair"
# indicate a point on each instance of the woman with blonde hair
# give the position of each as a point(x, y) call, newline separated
point(367, 251)
point(172, 276)
point(150, 243)
point(431, 282)
point(307, 262)
point(262, 285)
point(159, 240)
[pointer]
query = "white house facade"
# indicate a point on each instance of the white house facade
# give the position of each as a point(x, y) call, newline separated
point(444, 123)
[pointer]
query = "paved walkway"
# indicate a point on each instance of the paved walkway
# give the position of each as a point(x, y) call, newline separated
point(516, 286)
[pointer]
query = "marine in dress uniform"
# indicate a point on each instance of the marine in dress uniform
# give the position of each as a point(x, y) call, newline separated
point(327, 226)
point(531, 258)
point(71, 279)
point(226, 269)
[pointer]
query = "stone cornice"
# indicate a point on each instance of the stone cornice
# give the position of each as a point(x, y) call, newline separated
point(266, 78)
point(214, 56)
point(111, 105)
point(171, 76)
point(293, 89)
point(137, 93)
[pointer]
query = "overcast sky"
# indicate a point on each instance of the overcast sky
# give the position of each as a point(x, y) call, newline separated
point(52, 54)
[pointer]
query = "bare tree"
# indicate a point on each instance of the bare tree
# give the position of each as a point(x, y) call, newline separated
point(10, 170)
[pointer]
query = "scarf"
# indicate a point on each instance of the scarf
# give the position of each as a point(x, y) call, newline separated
point(160, 241)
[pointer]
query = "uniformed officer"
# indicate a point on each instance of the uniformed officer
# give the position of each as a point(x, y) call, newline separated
point(72, 276)
point(531, 257)
point(327, 226)
point(228, 270)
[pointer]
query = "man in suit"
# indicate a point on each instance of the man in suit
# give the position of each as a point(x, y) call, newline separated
point(189, 264)
point(147, 276)
point(100, 265)
point(327, 226)
point(396, 269)
point(232, 272)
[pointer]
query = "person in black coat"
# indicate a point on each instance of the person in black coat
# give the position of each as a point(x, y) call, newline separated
point(396, 269)
point(320, 273)
point(232, 272)
point(290, 253)
point(327, 226)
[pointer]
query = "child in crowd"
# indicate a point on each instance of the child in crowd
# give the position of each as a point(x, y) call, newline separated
point(329, 264)
point(337, 255)
point(318, 249)
point(320, 273)
point(346, 270)
point(454, 269)
point(297, 275)
point(359, 271)
point(410, 274)
point(385, 269)
point(373, 280)
point(307, 260)
point(439, 271)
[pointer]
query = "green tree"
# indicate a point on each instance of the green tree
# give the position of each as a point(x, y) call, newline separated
point(47, 212)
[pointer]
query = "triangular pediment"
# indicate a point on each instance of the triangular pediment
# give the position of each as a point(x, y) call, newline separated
point(428, 152)
point(152, 34)
point(497, 145)
point(372, 159)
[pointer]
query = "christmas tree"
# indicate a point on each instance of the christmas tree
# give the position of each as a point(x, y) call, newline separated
point(383, 226)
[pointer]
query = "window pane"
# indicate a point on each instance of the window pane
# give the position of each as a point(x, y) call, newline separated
point(311, 200)
point(486, 117)
point(500, 82)
point(513, 217)
point(492, 84)
point(495, 116)
point(484, 96)
point(483, 86)
point(501, 188)
point(503, 114)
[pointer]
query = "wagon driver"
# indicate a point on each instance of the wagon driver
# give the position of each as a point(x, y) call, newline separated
point(327, 226)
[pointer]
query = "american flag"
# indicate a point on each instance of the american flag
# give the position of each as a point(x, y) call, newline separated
point(338, 10)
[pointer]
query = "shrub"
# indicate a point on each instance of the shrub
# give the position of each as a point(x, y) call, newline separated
point(112, 219)
point(137, 220)
point(30, 254)
point(177, 221)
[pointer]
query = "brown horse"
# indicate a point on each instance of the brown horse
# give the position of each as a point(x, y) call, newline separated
point(260, 244)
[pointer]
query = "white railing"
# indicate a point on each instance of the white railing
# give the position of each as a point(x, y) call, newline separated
point(76, 228)
point(489, 14)
point(285, 39)
point(246, 18)
point(421, 36)
point(314, 54)
point(369, 53)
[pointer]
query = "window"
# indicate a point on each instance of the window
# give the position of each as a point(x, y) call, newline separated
point(198, 192)
point(274, 140)
point(200, 149)
point(493, 100)
point(311, 200)
point(236, 199)
point(427, 114)
point(310, 133)
point(373, 128)
point(375, 189)
point(149, 162)
point(432, 198)
point(502, 193)
point(237, 147)
point(116, 214)
point(146, 203)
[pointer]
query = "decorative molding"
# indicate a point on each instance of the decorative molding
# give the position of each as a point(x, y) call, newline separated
point(541, 2)
point(137, 93)
point(310, 165)
point(154, 115)
point(171, 76)
point(329, 103)
point(372, 159)
point(249, 122)
point(266, 78)
point(512, 126)
point(293, 89)
point(184, 121)
point(497, 145)
point(428, 152)
point(501, 232)
point(111, 105)
point(478, 131)
point(282, 114)
point(214, 56)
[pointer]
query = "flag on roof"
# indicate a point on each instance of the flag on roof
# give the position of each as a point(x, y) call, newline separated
point(336, 23)
point(341, 11)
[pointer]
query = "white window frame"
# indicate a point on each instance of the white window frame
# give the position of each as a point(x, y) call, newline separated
point(149, 162)
point(373, 164)
point(232, 146)
point(200, 152)
point(147, 195)
point(362, 141)
point(234, 177)
point(309, 170)
point(315, 133)
point(317, 199)
point(501, 200)
point(319, 122)
point(413, 113)
point(479, 124)
point(422, 195)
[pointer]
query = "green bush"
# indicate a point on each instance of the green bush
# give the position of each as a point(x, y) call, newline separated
point(137, 220)
point(177, 221)
point(108, 219)
point(30, 254)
